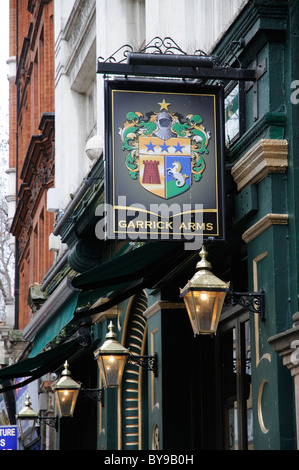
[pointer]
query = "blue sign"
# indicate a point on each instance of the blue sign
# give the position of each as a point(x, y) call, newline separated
point(8, 438)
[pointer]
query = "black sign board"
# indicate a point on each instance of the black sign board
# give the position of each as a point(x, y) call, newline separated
point(164, 160)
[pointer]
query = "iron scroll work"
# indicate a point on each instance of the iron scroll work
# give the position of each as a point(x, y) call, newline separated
point(252, 301)
point(164, 58)
point(164, 143)
point(146, 362)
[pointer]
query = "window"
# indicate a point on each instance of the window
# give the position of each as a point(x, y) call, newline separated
point(234, 112)
point(234, 354)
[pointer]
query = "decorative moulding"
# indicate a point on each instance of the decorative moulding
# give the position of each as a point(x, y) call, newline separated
point(267, 156)
point(263, 224)
point(162, 304)
point(110, 313)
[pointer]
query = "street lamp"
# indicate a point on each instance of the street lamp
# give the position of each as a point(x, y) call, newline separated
point(112, 358)
point(66, 393)
point(28, 418)
point(204, 296)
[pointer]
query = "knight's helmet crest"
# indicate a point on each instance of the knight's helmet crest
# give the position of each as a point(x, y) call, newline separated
point(164, 123)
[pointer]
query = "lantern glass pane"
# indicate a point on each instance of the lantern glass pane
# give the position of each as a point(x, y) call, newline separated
point(66, 401)
point(191, 309)
point(27, 428)
point(111, 367)
point(204, 309)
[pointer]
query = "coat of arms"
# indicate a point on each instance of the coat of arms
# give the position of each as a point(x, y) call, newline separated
point(165, 152)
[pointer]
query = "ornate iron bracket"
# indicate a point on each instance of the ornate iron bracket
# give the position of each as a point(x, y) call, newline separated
point(156, 46)
point(252, 301)
point(51, 421)
point(164, 58)
point(147, 362)
point(96, 394)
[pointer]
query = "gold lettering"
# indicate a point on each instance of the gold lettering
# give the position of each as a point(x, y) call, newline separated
point(166, 225)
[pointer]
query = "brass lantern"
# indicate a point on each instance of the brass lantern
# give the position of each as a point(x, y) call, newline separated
point(66, 393)
point(27, 419)
point(204, 295)
point(111, 358)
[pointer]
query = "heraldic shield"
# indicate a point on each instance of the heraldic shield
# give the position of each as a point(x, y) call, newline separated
point(165, 165)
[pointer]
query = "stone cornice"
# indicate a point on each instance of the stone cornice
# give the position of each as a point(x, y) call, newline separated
point(285, 344)
point(267, 156)
point(263, 224)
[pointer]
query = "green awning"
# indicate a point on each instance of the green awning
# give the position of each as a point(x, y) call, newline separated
point(143, 262)
point(32, 368)
point(88, 298)
point(119, 293)
point(54, 326)
point(127, 274)
point(117, 280)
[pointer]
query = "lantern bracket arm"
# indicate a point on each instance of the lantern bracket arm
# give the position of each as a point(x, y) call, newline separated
point(147, 362)
point(96, 394)
point(51, 421)
point(253, 301)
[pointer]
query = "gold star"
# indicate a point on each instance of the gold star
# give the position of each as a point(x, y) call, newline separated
point(164, 105)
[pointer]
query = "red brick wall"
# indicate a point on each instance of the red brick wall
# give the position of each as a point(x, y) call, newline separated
point(35, 83)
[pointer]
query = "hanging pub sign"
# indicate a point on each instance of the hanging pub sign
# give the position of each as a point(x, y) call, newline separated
point(164, 160)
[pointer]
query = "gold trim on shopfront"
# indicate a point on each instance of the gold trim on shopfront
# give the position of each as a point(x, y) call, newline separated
point(267, 156)
point(266, 356)
point(109, 314)
point(140, 378)
point(162, 304)
point(152, 378)
point(259, 406)
point(133, 425)
point(264, 223)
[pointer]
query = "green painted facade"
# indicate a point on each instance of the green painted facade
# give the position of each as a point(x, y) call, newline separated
point(181, 407)
point(269, 30)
